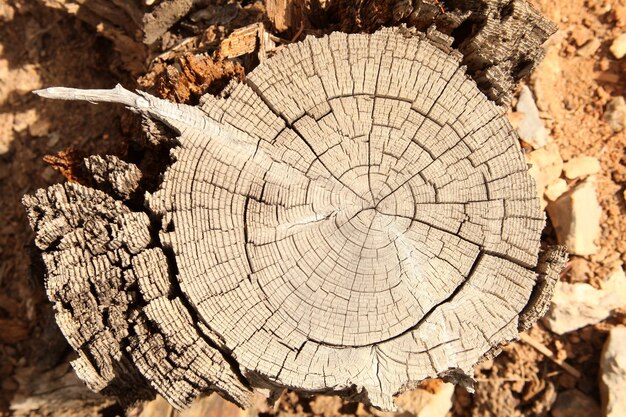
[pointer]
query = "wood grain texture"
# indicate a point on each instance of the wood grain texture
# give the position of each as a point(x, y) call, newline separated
point(501, 40)
point(356, 216)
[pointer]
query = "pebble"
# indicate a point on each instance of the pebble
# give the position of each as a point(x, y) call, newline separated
point(578, 305)
point(618, 47)
point(531, 128)
point(7, 13)
point(619, 13)
point(581, 167)
point(615, 114)
point(579, 270)
point(24, 119)
point(435, 401)
point(589, 49)
point(613, 374)
point(581, 35)
point(546, 166)
point(576, 217)
point(573, 403)
point(39, 127)
point(6, 132)
point(556, 189)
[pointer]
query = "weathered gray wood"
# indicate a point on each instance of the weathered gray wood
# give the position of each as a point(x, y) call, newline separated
point(355, 216)
point(501, 40)
point(551, 264)
point(120, 177)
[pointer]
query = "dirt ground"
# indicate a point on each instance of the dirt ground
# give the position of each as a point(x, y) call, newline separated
point(42, 46)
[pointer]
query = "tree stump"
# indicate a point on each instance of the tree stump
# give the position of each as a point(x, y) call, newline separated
point(356, 216)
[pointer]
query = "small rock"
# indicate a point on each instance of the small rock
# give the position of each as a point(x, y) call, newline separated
point(589, 49)
point(576, 218)
point(53, 139)
point(580, 167)
point(613, 374)
point(573, 403)
point(619, 13)
point(434, 400)
point(531, 128)
point(578, 305)
point(615, 114)
point(579, 270)
point(6, 133)
point(581, 35)
point(326, 405)
point(618, 47)
point(212, 405)
point(556, 189)
point(546, 166)
point(24, 119)
point(7, 13)
point(39, 127)
point(548, 76)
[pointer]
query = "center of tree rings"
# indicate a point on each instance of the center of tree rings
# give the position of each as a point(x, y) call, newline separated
point(359, 189)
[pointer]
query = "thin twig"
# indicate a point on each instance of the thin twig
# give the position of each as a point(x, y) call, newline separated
point(300, 30)
point(548, 353)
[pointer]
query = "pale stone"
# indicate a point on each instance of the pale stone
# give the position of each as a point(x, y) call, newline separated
point(578, 305)
point(546, 166)
point(580, 167)
point(548, 75)
point(24, 119)
point(39, 127)
point(6, 133)
point(589, 49)
point(618, 47)
point(613, 374)
point(7, 13)
point(576, 218)
point(427, 403)
point(432, 400)
point(556, 189)
point(531, 128)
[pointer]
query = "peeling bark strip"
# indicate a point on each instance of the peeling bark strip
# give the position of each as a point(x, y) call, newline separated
point(355, 216)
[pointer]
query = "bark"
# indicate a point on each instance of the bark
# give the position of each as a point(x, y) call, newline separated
point(354, 217)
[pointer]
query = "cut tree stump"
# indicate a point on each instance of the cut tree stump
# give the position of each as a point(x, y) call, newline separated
point(356, 216)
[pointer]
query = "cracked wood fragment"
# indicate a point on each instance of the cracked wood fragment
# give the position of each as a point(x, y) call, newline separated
point(109, 171)
point(355, 216)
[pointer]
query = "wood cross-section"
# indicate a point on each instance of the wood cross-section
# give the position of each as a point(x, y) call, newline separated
point(355, 215)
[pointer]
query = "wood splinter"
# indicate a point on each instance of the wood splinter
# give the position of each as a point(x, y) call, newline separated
point(355, 217)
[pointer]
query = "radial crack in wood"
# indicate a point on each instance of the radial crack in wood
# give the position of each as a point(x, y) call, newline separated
point(354, 217)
